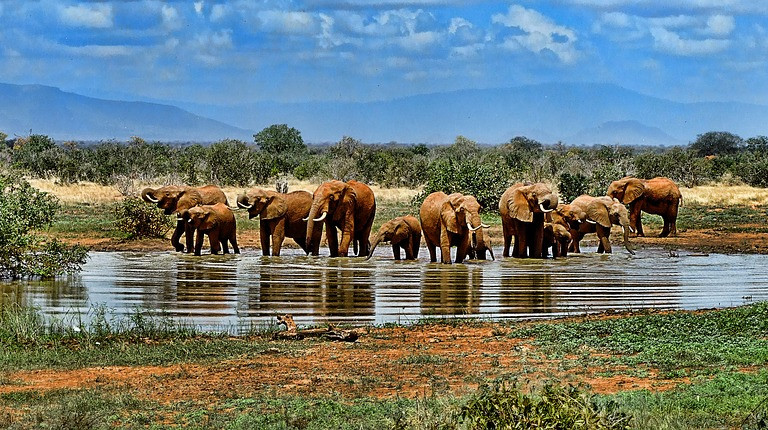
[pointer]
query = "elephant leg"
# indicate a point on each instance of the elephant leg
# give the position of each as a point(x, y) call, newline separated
point(408, 248)
point(519, 249)
point(636, 218)
point(180, 228)
point(445, 246)
point(264, 233)
point(432, 248)
point(537, 236)
point(605, 239)
point(317, 235)
point(224, 245)
point(396, 250)
point(577, 236)
point(346, 240)
point(233, 242)
point(333, 239)
point(505, 230)
point(278, 236)
point(213, 238)
point(672, 217)
point(189, 234)
point(199, 243)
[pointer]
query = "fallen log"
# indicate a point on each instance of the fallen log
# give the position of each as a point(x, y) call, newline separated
point(330, 333)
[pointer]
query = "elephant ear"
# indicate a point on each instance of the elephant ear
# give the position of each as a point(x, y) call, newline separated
point(519, 207)
point(275, 207)
point(402, 231)
point(448, 212)
point(633, 190)
point(597, 211)
point(188, 198)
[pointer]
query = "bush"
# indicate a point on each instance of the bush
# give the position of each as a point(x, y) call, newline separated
point(24, 209)
point(138, 219)
point(552, 407)
point(572, 186)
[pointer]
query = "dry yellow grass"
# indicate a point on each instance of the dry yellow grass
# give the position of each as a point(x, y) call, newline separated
point(725, 195)
point(86, 192)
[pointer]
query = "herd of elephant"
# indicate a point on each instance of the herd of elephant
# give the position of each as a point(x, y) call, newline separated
point(531, 214)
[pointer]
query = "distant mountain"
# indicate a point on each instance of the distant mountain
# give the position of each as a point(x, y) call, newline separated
point(625, 132)
point(64, 116)
point(574, 113)
point(546, 112)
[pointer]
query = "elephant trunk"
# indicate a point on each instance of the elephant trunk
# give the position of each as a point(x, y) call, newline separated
point(311, 219)
point(148, 195)
point(626, 240)
point(375, 242)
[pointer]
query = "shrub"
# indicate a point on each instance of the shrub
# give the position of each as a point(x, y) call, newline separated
point(572, 186)
point(503, 406)
point(137, 219)
point(24, 209)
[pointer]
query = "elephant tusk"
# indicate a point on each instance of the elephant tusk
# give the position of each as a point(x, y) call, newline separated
point(178, 218)
point(485, 226)
point(244, 206)
point(631, 229)
point(305, 219)
point(189, 220)
point(591, 222)
point(469, 226)
point(322, 217)
point(152, 199)
point(541, 206)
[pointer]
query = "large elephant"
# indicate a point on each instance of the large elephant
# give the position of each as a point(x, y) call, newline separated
point(601, 214)
point(658, 196)
point(522, 208)
point(350, 207)
point(218, 222)
point(557, 237)
point(453, 220)
point(280, 216)
point(174, 199)
point(403, 232)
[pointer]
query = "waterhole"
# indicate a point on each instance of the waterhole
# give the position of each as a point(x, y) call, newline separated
point(234, 292)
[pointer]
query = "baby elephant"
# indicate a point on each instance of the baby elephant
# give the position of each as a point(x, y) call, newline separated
point(218, 222)
point(403, 232)
point(558, 238)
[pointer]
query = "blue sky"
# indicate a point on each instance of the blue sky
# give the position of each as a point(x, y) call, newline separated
point(243, 51)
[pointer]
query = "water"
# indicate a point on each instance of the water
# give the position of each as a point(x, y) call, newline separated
point(235, 291)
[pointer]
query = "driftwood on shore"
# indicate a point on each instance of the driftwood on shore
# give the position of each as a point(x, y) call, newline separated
point(330, 333)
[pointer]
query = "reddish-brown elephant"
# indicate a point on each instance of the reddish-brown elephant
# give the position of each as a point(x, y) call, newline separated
point(557, 237)
point(658, 196)
point(280, 216)
point(218, 222)
point(174, 199)
point(350, 207)
point(522, 208)
point(402, 232)
point(453, 220)
point(601, 213)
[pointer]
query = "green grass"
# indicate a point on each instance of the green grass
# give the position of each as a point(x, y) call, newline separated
point(726, 218)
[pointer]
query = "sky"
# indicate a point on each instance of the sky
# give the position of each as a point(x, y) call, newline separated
point(235, 52)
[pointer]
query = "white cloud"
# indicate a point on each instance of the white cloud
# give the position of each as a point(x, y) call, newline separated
point(210, 47)
point(419, 41)
point(540, 33)
point(457, 23)
point(83, 15)
point(288, 22)
point(171, 18)
point(671, 43)
point(220, 11)
point(199, 8)
point(720, 25)
point(99, 51)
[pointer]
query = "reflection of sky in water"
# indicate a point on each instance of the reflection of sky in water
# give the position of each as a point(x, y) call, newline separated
point(219, 292)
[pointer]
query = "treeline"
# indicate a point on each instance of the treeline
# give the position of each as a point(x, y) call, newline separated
point(463, 166)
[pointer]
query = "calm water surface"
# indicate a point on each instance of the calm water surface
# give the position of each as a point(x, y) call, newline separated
point(235, 291)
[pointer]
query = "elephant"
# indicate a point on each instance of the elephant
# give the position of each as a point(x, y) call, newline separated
point(403, 232)
point(175, 199)
point(281, 215)
point(349, 206)
point(601, 213)
point(453, 220)
point(218, 222)
point(557, 237)
point(659, 196)
point(523, 207)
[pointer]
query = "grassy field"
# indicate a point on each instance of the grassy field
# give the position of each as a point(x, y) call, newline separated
point(679, 370)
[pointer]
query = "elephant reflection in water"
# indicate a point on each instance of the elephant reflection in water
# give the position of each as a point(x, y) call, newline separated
point(202, 285)
point(526, 293)
point(336, 290)
point(451, 290)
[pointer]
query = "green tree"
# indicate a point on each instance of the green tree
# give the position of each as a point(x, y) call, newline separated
point(24, 209)
point(284, 144)
point(36, 154)
point(717, 143)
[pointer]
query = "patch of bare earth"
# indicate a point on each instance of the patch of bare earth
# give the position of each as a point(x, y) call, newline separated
point(384, 363)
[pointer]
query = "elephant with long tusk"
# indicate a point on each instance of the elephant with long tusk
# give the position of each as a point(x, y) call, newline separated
point(450, 220)
point(175, 200)
point(346, 206)
point(523, 208)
